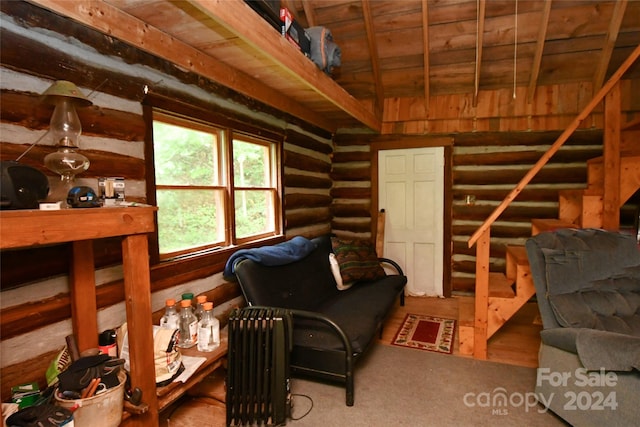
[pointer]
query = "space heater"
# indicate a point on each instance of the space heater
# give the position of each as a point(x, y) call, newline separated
point(258, 380)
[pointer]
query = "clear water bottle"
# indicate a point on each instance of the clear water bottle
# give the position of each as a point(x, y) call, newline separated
point(200, 300)
point(208, 329)
point(188, 325)
point(170, 319)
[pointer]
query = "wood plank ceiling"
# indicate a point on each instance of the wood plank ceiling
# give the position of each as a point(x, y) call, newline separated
point(470, 46)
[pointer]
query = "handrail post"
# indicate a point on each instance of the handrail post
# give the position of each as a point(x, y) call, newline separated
point(483, 246)
point(611, 160)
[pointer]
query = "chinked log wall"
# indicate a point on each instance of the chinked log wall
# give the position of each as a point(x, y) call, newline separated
point(494, 144)
point(38, 47)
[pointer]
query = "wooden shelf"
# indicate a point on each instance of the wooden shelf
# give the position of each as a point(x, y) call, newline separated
point(172, 392)
point(28, 228)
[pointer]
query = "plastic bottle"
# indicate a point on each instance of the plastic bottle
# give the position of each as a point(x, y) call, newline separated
point(188, 325)
point(208, 329)
point(170, 319)
point(189, 296)
point(200, 300)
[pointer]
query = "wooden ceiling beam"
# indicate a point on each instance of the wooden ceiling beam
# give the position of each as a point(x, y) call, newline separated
point(110, 20)
point(479, 42)
point(237, 17)
point(373, 54)
point(425, 53)
point(309, 13)
point(537, 58)
point(609, 43)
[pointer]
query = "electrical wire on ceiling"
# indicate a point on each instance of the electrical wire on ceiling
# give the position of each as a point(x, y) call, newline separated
point(515, 49)
point(476, 83)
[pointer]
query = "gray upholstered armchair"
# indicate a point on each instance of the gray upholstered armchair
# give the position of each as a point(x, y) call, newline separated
point(588, 290)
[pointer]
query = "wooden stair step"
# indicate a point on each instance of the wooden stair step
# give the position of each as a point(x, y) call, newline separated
point(633, 124)
point(500, 286)
point(466, 311)
point(516, 256)
point(466, 315)
point(570, 205)
point(592, 206)
point(539, 225)
point(629, 163)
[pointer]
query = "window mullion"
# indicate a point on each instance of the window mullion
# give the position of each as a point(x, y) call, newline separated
point(230, 216)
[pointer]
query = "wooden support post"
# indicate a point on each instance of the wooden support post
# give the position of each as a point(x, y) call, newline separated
point(137, 294)
point(82, 287)
point(611, 164)
point(482, 296)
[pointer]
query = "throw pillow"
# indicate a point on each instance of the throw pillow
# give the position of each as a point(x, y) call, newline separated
point(357, 259)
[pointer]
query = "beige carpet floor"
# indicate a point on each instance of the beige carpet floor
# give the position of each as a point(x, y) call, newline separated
point(406, 387)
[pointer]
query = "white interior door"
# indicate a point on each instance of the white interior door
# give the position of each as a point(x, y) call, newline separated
point(411, 191)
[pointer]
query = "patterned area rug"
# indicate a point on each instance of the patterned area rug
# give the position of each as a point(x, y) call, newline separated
point(426, 333)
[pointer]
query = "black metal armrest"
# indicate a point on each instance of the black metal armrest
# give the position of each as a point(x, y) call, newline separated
point(392, 263)
point(348, 349)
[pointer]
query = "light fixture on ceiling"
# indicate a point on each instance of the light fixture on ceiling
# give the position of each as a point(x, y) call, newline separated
point(65, 129)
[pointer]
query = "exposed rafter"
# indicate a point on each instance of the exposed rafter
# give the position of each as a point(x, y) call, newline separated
point(425, 54)
point(309, 13)
point(609, 43)
point(373, 54)
point(537, 58)
point(479, 42)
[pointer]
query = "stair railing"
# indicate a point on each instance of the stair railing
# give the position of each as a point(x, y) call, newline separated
point(482, 236)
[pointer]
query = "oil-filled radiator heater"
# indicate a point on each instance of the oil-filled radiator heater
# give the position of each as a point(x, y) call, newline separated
point(258, 380)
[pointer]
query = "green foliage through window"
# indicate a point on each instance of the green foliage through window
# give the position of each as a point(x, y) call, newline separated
point(191, 190)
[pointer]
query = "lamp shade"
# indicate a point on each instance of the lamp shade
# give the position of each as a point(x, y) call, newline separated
point(66, 89)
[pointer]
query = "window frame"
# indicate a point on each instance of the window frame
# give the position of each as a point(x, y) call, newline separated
point(274, 180)
point(178, 112)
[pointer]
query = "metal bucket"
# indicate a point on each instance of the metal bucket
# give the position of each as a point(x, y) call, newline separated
point(102, 410)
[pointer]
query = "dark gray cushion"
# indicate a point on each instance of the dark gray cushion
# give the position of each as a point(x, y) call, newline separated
point(359, 311)
point(588, 288)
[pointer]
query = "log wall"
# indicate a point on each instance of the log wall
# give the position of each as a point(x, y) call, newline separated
point(38, 47)
point(494, 145)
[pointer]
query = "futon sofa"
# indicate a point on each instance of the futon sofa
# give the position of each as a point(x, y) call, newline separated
point(588, 290)
point(333, 322)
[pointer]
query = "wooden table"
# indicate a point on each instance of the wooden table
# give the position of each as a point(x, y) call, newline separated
point(28, 228)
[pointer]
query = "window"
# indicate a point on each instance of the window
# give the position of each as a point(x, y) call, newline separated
point(215, 187)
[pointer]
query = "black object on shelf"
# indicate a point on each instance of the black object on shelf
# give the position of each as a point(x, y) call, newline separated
point(269, 10)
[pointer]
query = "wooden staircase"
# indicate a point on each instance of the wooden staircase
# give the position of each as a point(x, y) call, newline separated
point(611, 180)
point(584, 207)
point(507, 294)
point(578, 208)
